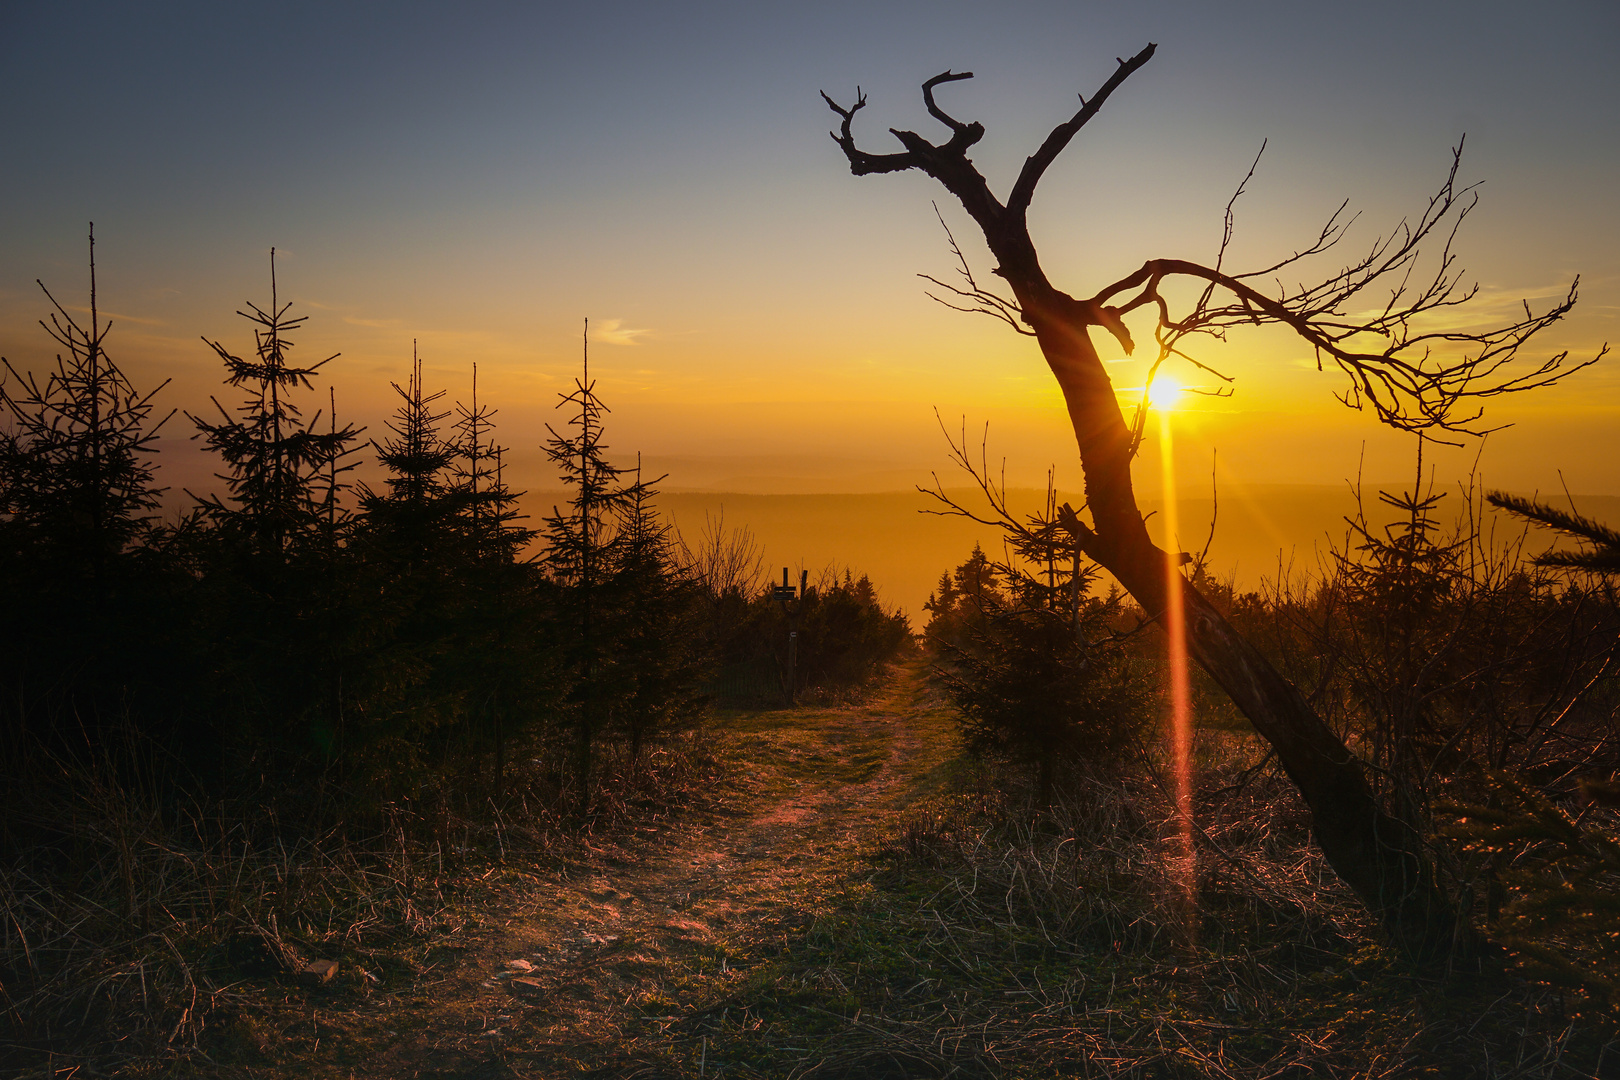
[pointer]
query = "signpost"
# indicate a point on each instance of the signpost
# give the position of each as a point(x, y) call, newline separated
point(784, 593)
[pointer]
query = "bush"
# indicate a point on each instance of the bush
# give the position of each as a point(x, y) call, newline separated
point(1039, 683)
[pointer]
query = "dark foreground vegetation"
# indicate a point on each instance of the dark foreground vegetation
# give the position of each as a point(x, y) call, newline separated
point(1477, 684)
point(1026, 911)
point(993, 944)
point(292, 716)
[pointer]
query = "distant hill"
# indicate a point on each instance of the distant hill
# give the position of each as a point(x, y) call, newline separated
point(904, 550)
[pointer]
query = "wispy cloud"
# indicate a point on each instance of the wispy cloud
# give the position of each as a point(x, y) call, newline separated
point(376, 324)
point(113, 315)
point(614, 332)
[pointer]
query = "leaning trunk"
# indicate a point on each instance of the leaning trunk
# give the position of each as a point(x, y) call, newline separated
point(1380, 857)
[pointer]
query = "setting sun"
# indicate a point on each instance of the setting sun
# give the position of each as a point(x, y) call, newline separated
point(1164, 393)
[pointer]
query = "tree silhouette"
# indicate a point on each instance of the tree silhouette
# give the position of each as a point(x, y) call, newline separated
point(415, 455)
point(1033, 662)
point(76, 482)
point(1040, 684)
point(1411, 377)
point(417, 518)
point(490, 507)
point(579, 554)
point(272, 620)
point(77, 497)
point(275, 460)
point(657, 644)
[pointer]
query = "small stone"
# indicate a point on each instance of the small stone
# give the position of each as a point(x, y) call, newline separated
point(320, 971)
point(526, 986)
point(521, 967)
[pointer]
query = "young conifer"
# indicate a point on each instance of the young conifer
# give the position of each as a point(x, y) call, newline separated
point(416, 516)
point(489, 508)
point(76, 480)
point(275, 461)
point(77, 497)
point(581, 545)
point(656, 608)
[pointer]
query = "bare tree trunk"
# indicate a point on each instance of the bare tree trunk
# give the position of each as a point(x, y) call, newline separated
point(1380, 857)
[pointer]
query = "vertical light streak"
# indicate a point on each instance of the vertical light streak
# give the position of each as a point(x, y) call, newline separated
point(1181, 735)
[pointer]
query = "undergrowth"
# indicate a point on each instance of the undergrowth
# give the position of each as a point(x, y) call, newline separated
point(133, 920)
point(992, 941)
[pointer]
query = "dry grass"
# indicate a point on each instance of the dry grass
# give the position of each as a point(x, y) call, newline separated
point(853, 900)
point(990, 943)
point(132, 922)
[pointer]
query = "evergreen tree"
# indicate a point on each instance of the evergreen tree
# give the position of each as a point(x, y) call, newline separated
point(416, 456)
point(404, 576)
point(656, 607)
point(490, 507)
point(77, 497)
point(417, 515)
point(275, 460)
point(959, 600)
point(1036, 668)
point(846, 636)
point(76, 482)
point(507, 658)
point(581, 546)
point(277, 616)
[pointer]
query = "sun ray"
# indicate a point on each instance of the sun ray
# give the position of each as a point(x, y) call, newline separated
point(1175, 624)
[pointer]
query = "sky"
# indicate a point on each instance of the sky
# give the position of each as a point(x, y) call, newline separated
point(480, 178)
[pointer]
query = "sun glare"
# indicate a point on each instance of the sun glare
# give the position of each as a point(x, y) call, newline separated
point(1164, 393)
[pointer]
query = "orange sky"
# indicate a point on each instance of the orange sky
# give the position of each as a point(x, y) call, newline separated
point(481, 183)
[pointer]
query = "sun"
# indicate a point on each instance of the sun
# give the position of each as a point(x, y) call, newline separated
point(1164, 393)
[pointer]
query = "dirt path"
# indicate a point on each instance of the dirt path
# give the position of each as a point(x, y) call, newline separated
point(583, 968)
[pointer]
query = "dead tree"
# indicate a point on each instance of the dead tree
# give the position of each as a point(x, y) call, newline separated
point(1411, 377)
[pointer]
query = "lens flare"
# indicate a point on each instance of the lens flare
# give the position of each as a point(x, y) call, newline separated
point(1184, 867)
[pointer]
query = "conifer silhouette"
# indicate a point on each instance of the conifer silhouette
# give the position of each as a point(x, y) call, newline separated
point(274, 458)
point(1603, 556)
point(417, 513)
point(490, 507)
point(76, 480)
point(655, 602)
point(416, 456)
point(581, 545)
point(77, 499)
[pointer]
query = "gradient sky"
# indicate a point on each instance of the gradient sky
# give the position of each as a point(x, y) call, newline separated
point(481, 177)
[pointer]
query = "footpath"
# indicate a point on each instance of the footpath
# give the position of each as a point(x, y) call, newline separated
point(590, 971)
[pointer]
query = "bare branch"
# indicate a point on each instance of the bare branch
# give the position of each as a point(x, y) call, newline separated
point(1036, 164)
point(962, 135)
point(1412, 378)
point(977, 300)
point(860, 162)
point(1038, 538)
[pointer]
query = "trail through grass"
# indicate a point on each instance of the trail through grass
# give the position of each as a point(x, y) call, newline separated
point(851, 905)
